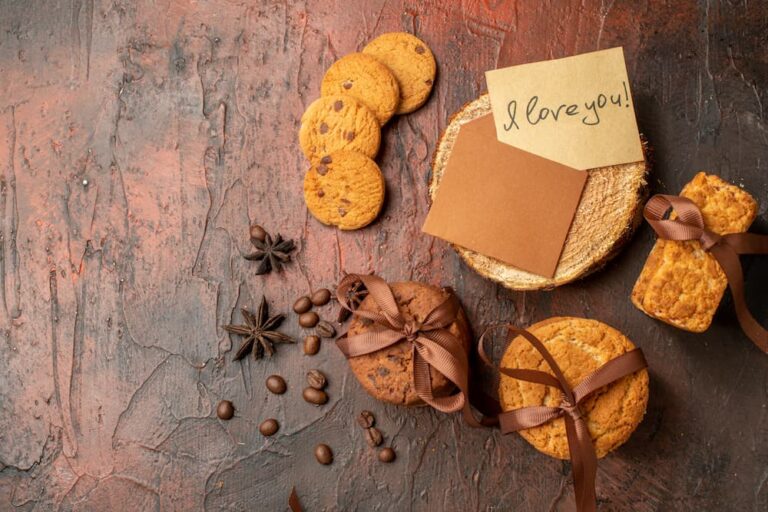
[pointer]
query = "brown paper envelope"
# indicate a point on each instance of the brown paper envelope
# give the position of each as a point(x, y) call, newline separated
point(504, 202)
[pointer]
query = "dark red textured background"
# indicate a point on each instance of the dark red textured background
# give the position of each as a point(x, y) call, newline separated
point(182, 117)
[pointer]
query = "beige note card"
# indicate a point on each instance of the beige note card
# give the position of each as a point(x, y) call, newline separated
point(577, 111)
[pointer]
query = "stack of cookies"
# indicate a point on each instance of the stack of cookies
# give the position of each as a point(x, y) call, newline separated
point(340, 132)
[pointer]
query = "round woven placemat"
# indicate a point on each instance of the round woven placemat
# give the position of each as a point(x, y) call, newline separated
point(609, 211)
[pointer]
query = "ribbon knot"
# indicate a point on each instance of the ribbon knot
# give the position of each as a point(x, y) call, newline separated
point(571, 409)
point(689, 225)
point(411, 330)
point(434, 347)
point(582, 451)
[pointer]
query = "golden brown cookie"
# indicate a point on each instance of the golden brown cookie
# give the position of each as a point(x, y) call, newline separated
point(344, 189)
point(681, 283)
point(333, 123)
point(367, 80)
point(388, 374)
point(580, 346)
point(412, 63)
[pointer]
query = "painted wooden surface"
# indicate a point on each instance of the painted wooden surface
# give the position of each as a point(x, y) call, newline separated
point(138, 140)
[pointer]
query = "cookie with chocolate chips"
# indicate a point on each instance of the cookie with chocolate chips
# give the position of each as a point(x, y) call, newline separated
point(387, 374)
point(412, 63)
point(365, 79)
point(337, 122)
point(344, 189)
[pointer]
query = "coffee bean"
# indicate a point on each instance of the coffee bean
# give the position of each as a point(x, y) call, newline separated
point(366, 419)
point(325, 329)
point(258, 233)
point(302, 305)
point(323, 454)
point(276, 384)
point(269, 427)
point(316, 379)
point(321, 297)
point(225, 410)
point(315, 396)
point(308, 319)
point(386, 454)
point(311, 345)
point(374, 437)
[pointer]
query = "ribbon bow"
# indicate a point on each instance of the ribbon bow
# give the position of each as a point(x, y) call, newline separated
point(433, 344)
point(582, 451)
point(689, 225)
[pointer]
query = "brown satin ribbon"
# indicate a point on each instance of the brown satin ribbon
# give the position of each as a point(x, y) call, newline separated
point(582, 451)
point(293, 501)
point(689, 225)
point(433, 344)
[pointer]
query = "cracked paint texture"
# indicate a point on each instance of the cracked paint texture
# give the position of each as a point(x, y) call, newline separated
point(138, 140)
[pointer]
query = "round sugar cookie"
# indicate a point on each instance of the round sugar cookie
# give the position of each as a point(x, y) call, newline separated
point(387, 374)
point(344, 189)
point(580, 346)
point(412, 63)
point(365, 79)
point(333, 123)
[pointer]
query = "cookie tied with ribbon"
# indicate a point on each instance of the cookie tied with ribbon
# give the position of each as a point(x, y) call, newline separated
point(408, 343)
point(688, 225)
point(588, 402)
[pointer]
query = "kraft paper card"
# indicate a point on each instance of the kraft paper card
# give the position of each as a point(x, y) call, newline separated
point(505, 202)
point(577, 111)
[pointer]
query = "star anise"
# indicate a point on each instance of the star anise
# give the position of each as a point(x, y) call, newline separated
point(355, 296)
point(260, 332)
point(270, 253)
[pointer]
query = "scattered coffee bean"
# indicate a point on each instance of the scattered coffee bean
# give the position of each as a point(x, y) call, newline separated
point(308, 319)
point(258, 233)
point(386, 454)
point(323, 454)
point(311, 345)
point(321, 297)
point(315, 396)
point(316, 379)
point(225, 410)
point(269, 427)
point(373, 437)
point(276, 384)
point(302, 305)
point(366, 419)
point(325, 329)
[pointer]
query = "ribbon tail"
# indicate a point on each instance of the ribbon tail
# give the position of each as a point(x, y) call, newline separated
point(527, 417)
point(583, 462)
point(728, 259)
